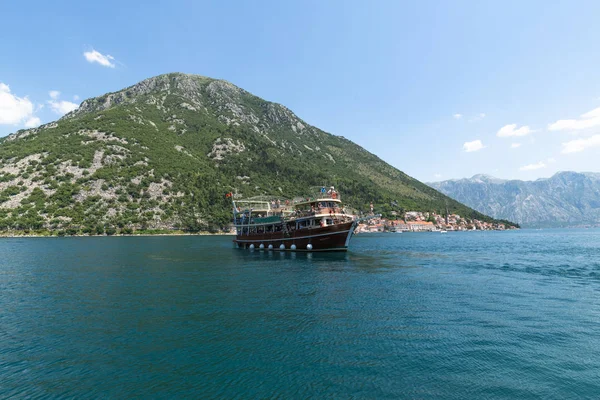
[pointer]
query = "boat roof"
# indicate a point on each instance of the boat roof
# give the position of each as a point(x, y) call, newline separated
point(310, 200)
point(261, 199)
point(316, 194)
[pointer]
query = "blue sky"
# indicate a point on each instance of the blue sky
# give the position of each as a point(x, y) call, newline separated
point(432, 87)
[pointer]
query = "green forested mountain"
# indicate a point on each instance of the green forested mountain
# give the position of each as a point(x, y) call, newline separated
point(161, 154)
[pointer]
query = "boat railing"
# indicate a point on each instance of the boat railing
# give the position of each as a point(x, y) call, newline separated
point(267, 220)
point(273, 206)
point(262, 206)
point(319, 210)
point(317, 196)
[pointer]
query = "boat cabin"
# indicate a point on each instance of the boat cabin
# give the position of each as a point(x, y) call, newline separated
point(260, 216)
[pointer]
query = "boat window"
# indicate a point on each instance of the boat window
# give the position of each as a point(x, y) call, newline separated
point(260, 229)
point(277, 228)
point(269, 228)
point(329, 221)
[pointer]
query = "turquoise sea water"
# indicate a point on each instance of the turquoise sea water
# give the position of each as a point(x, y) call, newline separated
point(497, 315)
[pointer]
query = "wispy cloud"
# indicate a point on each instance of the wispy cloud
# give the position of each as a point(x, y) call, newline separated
point(437, 176)
point(475, 145)
point(515, 145)
point(76, 97)
point(32, 122)
point(532, 167)
point(457, 116)
point(13, 109)
point(97, 57)
point(62, 107)
point(578, 145)
point(512, 130)
point(478, 117)
point(588, 120)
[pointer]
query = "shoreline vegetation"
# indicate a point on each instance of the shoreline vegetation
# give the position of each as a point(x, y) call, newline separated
point(148, 232)
point(411, 221)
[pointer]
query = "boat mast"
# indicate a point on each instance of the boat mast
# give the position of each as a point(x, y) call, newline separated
point(446, 212)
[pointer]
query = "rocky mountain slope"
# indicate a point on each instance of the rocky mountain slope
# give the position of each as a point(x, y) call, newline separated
point(161, 154)
point(565, 199)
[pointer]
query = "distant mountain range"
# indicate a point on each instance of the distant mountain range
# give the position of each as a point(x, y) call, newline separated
point(567, 199)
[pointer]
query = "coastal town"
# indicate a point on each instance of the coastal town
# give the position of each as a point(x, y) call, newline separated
point(415, 221)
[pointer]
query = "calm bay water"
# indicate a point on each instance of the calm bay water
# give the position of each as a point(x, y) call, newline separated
point(462, 315)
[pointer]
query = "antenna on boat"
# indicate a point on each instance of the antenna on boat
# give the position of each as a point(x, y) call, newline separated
point(234, 196)
point(446, 212)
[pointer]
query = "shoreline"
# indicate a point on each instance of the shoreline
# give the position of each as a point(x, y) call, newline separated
point(40, 235)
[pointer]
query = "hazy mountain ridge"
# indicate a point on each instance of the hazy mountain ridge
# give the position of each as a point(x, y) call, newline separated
point(567, 199)
point(162, 153)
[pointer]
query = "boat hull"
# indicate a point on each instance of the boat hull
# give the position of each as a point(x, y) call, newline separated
point(328, 238)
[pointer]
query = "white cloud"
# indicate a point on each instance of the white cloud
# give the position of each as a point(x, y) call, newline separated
point(97, 57)
point(76, 97)
point(515, 145)
point(54, 94)
point(62, 107)
point(595, 113)
point(550, 160)
point(457, 116)
point(511, 130)
point(32, 122)
point(532, 167)
point(475, 145)
point(575, 146)
point(587, 120)
point(13, 109)
point(437, 176)
point(478, 117)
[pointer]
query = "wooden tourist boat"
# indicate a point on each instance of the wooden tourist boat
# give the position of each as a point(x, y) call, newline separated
point(315, 223)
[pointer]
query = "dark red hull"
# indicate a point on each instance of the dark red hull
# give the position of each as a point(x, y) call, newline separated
point(328, 238)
